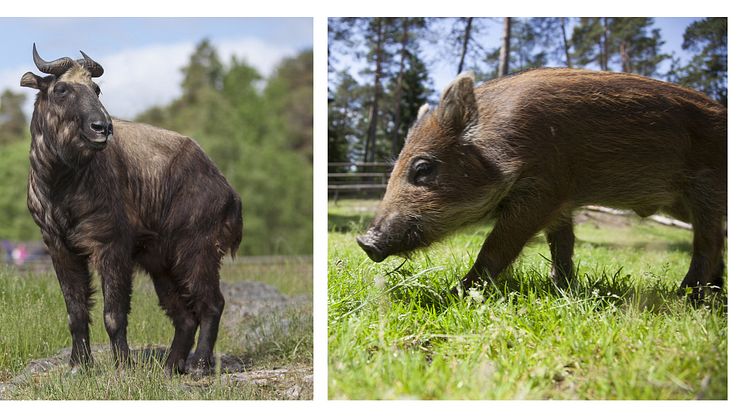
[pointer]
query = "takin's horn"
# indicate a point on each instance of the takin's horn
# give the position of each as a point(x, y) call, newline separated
point(56, 67)
point(93, 67)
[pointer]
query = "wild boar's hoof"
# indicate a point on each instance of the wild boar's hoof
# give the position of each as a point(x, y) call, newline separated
point(370, 248)
point(464, 285)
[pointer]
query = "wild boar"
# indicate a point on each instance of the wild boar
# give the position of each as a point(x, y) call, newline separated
point(525, 151)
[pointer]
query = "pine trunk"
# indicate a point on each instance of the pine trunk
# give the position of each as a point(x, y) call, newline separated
point(504, 67)
point(568, 60)
point(604, 55)
point(396, 140)
point(465, 45)
point(370, 143)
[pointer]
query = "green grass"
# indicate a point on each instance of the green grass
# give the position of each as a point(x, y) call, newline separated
point(621, 332)
point(33, 325)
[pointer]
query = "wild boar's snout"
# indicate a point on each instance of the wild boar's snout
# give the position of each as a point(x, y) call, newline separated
point(390, 233)
point(376, 241)
point(368, 243)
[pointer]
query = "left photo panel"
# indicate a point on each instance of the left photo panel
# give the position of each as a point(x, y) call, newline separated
point(156, 208)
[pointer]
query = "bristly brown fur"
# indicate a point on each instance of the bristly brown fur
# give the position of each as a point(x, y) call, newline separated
point(526, 150)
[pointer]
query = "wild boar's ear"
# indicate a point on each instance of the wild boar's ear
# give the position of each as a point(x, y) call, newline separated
point(32, 80)
point(423, 110)
point(457, 103)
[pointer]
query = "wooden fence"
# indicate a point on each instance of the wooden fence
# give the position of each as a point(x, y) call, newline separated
point(357, 179)
point(368, 180)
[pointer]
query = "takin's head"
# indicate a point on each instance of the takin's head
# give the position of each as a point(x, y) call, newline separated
point(443, 178)
point(67, 107)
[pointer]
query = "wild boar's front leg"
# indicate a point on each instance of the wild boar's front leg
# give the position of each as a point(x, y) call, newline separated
point(75, 282)
point(520, 216)
point(561, 240)
point(115, 268)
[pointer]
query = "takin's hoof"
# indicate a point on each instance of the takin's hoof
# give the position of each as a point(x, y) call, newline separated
point(200, 366)
point(175, 368)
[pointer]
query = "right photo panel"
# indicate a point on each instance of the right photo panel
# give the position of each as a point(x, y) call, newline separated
point(527, 208)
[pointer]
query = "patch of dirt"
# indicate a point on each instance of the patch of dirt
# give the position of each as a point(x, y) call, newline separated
point(598, 219)
point(244, 300)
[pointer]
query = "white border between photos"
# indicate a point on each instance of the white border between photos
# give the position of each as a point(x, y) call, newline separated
point(371, 409)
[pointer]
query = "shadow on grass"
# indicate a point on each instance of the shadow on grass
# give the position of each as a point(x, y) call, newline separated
point(432, 291)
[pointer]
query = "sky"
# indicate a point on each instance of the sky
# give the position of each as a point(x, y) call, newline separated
point(443, 66)
point(142, 57)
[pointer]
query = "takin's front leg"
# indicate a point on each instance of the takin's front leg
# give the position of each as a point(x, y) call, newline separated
point(75, 282)
point(520, 217)
point(115, 267)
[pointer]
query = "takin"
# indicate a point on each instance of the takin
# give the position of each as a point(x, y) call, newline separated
point(115, 195)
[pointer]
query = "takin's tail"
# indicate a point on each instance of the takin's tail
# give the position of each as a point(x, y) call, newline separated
point(233, 224)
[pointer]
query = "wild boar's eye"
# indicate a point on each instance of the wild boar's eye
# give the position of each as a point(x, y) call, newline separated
point(421, 171)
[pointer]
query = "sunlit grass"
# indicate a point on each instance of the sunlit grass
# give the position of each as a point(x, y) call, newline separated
point(621, 332)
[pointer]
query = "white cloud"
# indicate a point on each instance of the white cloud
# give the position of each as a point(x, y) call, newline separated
point(138, 78)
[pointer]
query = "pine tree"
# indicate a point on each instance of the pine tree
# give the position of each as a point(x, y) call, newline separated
point(378, 33)
point(291, 87)
point(638, 45)
point(345, 114)
point(504, 66)
point(552, 36)
point(408, 34)
point(13, 125)
point(204, 71)
point(629, 42)
point(462, 40)
point(590, 42)
point(708, 69)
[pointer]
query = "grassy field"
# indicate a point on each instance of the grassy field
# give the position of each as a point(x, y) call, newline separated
point(33, 325)
point(622, 332)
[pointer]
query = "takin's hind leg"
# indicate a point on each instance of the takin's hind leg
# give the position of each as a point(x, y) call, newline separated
point(201, 273)
point(184, 321)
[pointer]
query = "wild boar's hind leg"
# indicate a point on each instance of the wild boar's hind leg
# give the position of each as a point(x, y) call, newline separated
point(520, 216)
point(183, 318)
point(706, 267)
point(561, 241)
point(75, 282)
point(116, 283)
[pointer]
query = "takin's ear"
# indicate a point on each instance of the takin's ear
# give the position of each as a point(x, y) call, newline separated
point(33, 81)
point(458, 105)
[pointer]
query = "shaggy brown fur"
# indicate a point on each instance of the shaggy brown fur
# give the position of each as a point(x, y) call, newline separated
point(118, 195)
point(526, 150)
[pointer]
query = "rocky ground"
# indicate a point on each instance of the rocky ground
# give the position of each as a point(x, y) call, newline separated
point(248, 302)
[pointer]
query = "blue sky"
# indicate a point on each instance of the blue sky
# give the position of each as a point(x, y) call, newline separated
point(142, 56)
point(443, 66)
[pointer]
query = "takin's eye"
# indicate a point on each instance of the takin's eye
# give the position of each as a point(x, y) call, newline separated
point(61, 89)
point(96, 89)
point(422, 171)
